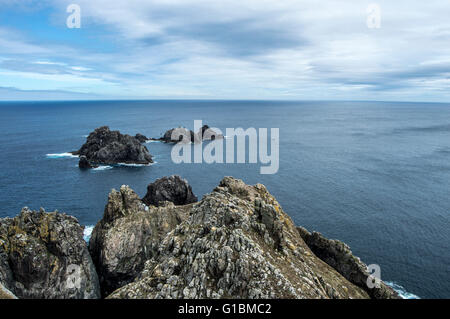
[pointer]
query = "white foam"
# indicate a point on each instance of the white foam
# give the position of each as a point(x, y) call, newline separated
point(102, 168)
point(108, 167)
point(87, 232)
point(61, 155)
point(133, 165)
point(401, 291)
point(152, 141)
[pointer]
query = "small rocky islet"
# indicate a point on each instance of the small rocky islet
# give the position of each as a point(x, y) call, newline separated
point(184, 135)
point(106, 147)
point(236, 242)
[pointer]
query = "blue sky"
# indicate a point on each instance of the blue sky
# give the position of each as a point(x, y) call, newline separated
point(227, 49)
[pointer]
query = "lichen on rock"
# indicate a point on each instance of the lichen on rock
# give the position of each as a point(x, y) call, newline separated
point(129, 234)
point(237, 242)
point(43, 255)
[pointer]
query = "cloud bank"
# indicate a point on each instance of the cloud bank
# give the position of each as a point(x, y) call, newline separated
point(247, 49)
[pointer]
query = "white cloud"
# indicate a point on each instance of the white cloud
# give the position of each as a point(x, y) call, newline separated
point(259, 48)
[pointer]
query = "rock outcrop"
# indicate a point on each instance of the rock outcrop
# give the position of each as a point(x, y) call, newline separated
point(104, 146)
point(236, 243)
point(172, 189)
point(185, 135)
point(84, 163)
point(141, 138)
point(339, 256)
point(43, 255)
point(128, 235)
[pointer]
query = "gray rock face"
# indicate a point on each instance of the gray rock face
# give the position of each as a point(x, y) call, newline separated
point(43, 255)
point(104, 146)
point(172, 189)
point(129, 234)
point(339, 256)
point(236, 243)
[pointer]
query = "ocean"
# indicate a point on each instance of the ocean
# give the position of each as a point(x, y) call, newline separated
point(375, 175)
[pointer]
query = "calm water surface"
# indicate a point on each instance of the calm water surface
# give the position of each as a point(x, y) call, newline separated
point(375, 175)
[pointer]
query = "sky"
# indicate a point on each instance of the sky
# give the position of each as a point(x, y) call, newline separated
point(226, 49)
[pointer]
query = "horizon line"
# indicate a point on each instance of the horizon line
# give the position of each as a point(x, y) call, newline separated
point(214, 100)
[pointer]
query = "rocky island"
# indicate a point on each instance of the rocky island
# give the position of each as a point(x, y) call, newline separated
point(182, 134)
point(107, 147)
point(236, 242)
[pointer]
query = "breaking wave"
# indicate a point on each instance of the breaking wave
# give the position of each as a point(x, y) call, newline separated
point(61, 155)
point(401, 291)
point(102, 168)
point(133, 165)
point(87, 232)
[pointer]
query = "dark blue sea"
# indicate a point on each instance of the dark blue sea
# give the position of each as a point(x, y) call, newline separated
point(374, 175)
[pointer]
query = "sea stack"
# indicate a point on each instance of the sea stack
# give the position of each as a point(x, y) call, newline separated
point(107, 147)
point(185, 135)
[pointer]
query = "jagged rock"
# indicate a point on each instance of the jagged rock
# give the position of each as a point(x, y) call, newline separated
point(339, 256)
point(172, 189)
point(128, 235)
point(236, 243)
point(141, 138)
point(185, 135)
point(104, 146)
point(43, 255)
